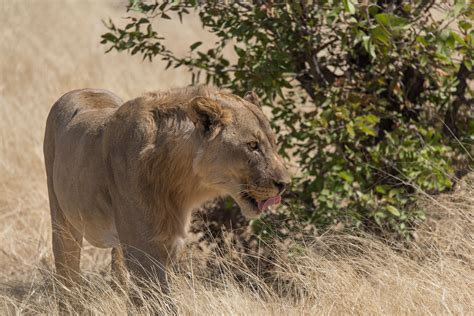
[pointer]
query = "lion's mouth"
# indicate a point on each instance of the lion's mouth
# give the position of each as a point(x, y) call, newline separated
point(262, 205)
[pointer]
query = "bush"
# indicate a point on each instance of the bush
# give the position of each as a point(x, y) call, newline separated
point(371, 100)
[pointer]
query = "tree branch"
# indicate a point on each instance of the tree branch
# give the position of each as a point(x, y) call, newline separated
point(450, 118)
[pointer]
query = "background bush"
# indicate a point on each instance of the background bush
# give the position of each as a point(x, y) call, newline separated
point(371, 99)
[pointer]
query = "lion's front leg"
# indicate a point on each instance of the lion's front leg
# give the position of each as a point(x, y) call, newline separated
point(147, 263)
point(145, 257)
point(147, 266)
point(119, 273)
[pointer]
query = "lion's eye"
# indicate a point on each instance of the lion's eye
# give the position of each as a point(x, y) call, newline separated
point(253, 145)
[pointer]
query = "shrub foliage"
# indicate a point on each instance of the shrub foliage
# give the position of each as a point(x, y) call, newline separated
point(371, 99)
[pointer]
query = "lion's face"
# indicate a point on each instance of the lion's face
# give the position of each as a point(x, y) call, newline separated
point(240, 157)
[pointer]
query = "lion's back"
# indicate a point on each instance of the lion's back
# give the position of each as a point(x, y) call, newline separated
point(74, 102)
point(72, 151)
point(94, 103)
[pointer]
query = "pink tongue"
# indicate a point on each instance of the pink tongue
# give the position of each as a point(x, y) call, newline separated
point(262, 205)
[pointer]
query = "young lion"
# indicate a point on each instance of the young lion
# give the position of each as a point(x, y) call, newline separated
point(127, 176)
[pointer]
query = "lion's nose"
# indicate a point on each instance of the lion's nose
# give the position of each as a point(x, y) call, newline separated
point(281, 185)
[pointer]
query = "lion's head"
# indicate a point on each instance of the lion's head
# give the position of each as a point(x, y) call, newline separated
point(238, 155)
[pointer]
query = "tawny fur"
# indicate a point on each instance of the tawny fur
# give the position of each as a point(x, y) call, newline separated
point(129, 175)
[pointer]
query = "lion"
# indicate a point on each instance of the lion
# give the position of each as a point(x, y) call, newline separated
point(127, 176)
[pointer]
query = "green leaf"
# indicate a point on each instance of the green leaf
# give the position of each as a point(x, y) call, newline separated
point(369, 130)
point(421, 40)
point(366, 124)
point(109, 37)
point(459, 39)
point(368, 46)
point(240, 52)
point(134, 5)
point(391, 21)
point(346, 176)
point(464, 25)
point(380, 189)
point(195, 45)
point(371, 118)
point(350, 129)
point(393, 210)
point(349, 6)
point(407, 7)
point(381, 35)
point(468, 65)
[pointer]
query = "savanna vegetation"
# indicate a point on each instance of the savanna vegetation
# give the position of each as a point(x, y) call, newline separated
point(372, 102)
point(370, 99)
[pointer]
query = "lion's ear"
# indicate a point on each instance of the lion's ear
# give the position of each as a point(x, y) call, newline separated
point(253, 98)
point(208, 116)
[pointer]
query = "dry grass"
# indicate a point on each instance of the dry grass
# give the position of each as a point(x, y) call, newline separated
point(48, 48)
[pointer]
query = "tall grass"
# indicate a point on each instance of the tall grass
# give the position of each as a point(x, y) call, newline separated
point(329, 274)
point(50, 47)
